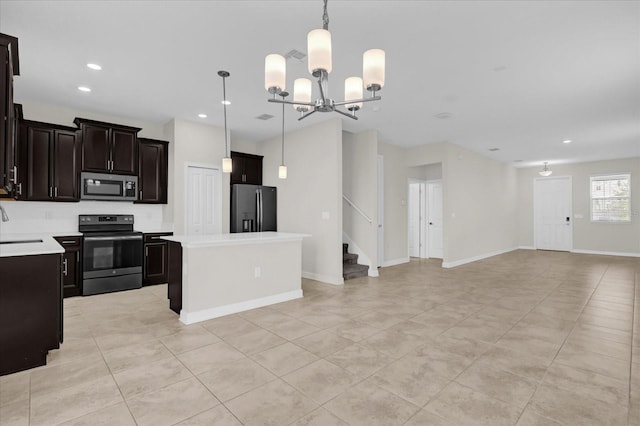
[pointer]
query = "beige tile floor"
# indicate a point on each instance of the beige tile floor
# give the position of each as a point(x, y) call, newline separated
point(525, 338)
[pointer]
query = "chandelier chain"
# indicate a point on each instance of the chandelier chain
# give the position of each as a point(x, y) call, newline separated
point(325, 17)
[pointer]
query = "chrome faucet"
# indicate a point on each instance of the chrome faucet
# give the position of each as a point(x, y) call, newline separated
point(5, 218)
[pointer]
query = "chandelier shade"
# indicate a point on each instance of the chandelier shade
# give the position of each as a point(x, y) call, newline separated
point(302, 94)
point(373, 62)
point(319, 66)
point(353, 90)
point(319, 50)
point(275, 72)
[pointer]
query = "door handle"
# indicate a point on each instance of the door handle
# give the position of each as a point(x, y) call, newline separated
point(430, 223)
point(64, 267)
point(55, 192)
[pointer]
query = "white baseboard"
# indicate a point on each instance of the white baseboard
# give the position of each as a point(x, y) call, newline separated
point(394, 262)
point(220, 311)
point(476, 258)
point(323, 278)
point(606, 253)
point(526, 248)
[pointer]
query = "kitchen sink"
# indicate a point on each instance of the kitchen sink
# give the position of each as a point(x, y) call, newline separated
point(20, 241)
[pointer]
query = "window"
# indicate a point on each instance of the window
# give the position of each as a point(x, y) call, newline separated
point(611, 198)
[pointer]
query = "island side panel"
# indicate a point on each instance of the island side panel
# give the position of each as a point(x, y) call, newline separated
point(222, 280)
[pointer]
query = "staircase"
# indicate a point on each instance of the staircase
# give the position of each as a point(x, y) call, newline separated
point(350, 266)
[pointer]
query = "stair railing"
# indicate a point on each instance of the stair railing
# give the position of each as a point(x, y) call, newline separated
point(356, 208)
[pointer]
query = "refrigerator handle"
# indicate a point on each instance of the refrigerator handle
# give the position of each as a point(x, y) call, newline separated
point(260, 216)
point(257, 229)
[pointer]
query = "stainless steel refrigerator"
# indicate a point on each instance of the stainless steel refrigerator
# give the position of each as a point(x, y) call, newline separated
point(253, 208)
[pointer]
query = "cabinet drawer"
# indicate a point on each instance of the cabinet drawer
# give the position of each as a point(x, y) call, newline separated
point(155, 237)
point(69, 242)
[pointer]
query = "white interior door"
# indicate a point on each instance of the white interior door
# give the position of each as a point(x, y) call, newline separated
point(380, 210)
point(414, 220)
point(434, 208)
point(204, 208)
point(552, 213)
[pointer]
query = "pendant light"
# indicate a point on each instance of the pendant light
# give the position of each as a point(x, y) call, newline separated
point(545, 172)
point(226, 161)
point(282, 170)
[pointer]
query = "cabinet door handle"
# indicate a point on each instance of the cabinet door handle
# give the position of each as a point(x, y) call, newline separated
point(55, 192)
point(146, 251)
point(15, 174)
point(50, 192)
point(141, 194)
point(64, 267)
point(68, 242)
point(19, 189)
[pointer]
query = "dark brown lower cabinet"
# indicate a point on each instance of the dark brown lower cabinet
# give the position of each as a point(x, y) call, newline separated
point(71, 265)
point(156, 258)
point(30, 310)
point(175, 277)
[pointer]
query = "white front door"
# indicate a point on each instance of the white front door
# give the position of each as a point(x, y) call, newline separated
point(552, 213)
point(435, 219)
point(203, 214)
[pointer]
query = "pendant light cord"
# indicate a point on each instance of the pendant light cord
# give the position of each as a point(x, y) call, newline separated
point(224, 104)
point(283, 134)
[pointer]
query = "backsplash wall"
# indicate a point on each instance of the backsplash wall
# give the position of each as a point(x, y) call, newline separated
point(50, 217)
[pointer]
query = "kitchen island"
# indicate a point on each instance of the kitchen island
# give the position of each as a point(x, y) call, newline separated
point(215, 275)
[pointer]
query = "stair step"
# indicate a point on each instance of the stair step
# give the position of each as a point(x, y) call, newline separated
point(354, 271)
point(349, 258)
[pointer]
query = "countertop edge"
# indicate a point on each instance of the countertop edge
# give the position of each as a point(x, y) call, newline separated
point(218, 240)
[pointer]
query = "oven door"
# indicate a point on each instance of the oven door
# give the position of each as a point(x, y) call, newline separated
point(111, 254)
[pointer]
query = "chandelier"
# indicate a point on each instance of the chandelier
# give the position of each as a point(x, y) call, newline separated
point(319, 54)
point(545, 172)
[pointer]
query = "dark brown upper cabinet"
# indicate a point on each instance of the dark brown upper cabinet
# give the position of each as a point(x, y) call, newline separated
point(108, 148)
point(246, 168)
point(153, 163)
point(9, 67)
point(48, 162)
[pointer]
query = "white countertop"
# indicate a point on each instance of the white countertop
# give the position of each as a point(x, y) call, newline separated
point(47, 246)
point(211, 240)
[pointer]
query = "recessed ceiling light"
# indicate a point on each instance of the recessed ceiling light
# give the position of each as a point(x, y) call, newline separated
point(202, 115)
point(84, 89)
point(443, 115)
point(567, 141)
point(494, 149)
point(225, 102)
point(94, 66)
point(517, 161)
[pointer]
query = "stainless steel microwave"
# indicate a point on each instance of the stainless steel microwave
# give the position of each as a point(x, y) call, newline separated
point(105, 186)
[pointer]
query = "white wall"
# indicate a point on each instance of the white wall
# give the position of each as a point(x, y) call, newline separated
point(587, 236)
point(479, 201)
point(395, 204)
point(65, 116)
point(313, 188)
point(359, 184)
point(193, 144)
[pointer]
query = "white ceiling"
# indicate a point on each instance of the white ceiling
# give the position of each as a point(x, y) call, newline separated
point(521, 76)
